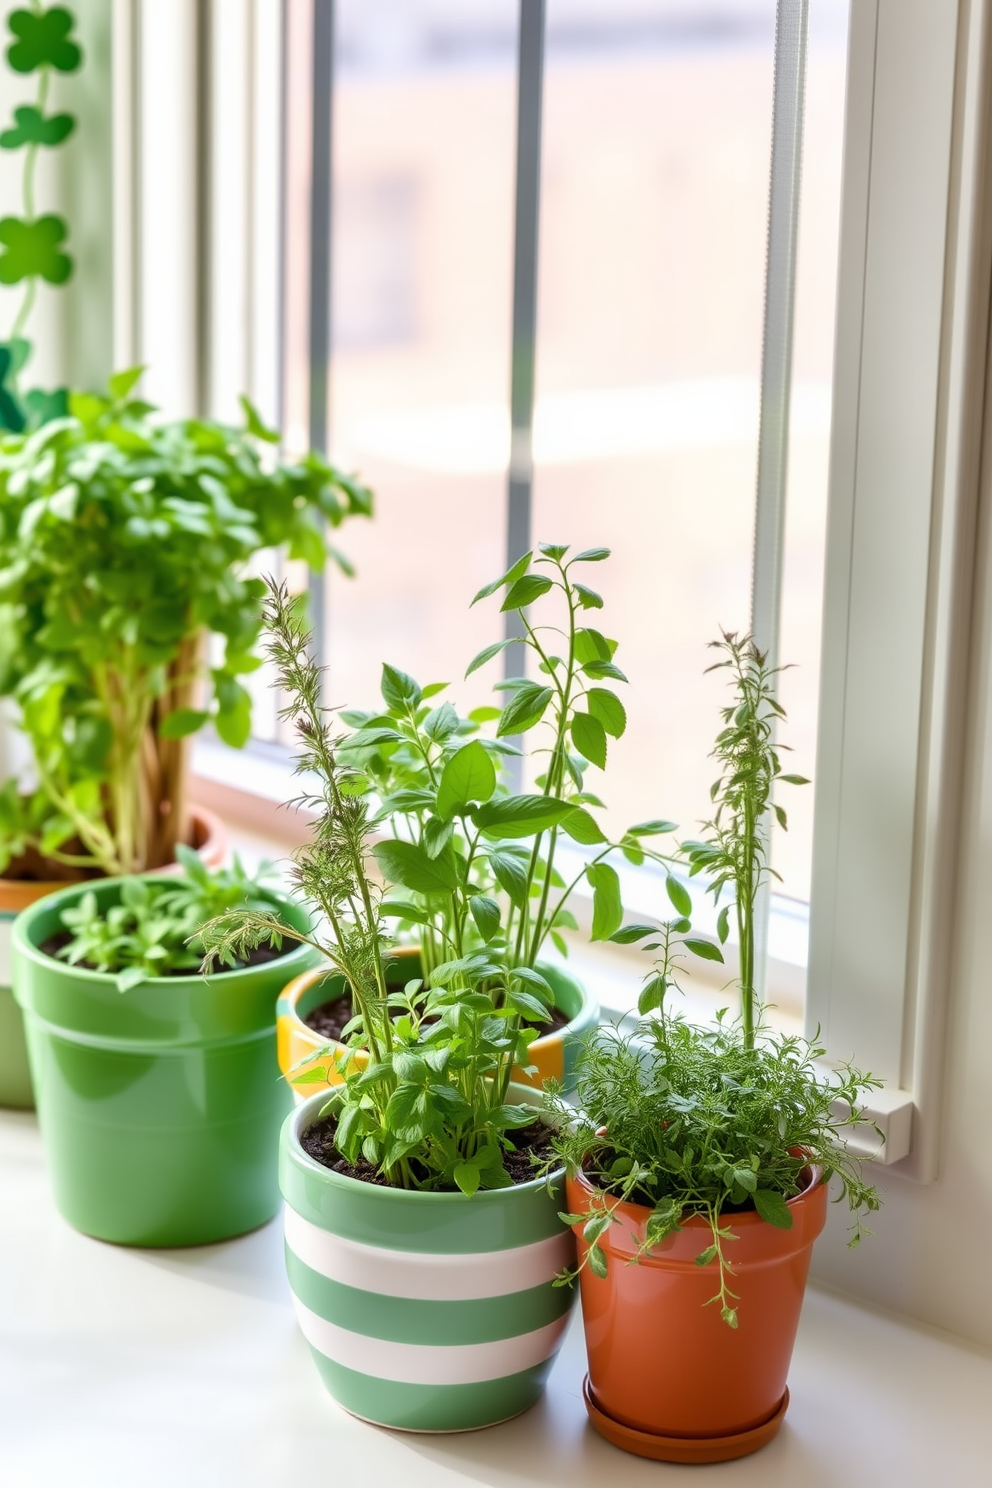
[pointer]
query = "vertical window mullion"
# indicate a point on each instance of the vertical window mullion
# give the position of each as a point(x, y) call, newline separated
point(530, 86)
point(788, 100)
point(320, 273)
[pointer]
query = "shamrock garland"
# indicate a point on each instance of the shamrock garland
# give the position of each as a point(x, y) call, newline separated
point(32, 245)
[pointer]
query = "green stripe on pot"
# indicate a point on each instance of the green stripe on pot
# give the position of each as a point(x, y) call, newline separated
point(429, 1408)
point(413, 1320)
point(403, 1219)
point(160, 1107)
point(424, 1311)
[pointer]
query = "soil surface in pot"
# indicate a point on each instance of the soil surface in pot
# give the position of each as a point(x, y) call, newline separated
point(258, 957)
point(532, 1144)
point(328, 1019)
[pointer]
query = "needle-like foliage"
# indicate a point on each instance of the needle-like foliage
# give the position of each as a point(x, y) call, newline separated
point(687, 1120)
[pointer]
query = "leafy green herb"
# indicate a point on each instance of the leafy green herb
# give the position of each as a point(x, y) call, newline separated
point(153, 931)
point(687, 1120)
point(123, 547)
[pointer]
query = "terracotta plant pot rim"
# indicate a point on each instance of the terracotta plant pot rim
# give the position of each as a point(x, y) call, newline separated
point(18, 893)
point(636, 1214)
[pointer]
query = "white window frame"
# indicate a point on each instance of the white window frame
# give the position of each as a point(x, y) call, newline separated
point(909, 405)
point(908, 415)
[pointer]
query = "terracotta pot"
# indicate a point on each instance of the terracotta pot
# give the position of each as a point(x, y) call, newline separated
point(668, 1378)
point(207, 834)
point(553, 1055)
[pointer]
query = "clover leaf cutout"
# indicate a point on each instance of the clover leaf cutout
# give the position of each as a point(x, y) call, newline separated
point(32, 128)
point(11, 416)
point(33, 249)
point(42, 407)
point(42, 40)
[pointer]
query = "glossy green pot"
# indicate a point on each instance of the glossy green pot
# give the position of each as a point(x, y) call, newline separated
point(160, 1107)
point(425, 1311)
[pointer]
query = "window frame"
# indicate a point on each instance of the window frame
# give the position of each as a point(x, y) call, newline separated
point(909, 400)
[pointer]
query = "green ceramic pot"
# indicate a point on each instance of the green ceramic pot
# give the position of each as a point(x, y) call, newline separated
point(160, 1107)
point(424, 1311)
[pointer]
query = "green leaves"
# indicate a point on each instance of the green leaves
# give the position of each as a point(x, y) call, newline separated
point(773, 1208)
point(486, 654)
point(469, 778)
point(400, 692)
point(123, 542)
point(32, 249)
point(607, 909)
point(526, 708)
point(407, 864)
point(704, 949)
point(589, 738)
point(42, 40)
point(182, 721)
point(485, 913)
point(31, 127)
point(520, 816)
point(513, 573)
point(607, 708)
point(524, 591)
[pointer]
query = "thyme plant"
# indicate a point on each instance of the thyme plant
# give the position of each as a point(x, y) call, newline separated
point(687, 1120)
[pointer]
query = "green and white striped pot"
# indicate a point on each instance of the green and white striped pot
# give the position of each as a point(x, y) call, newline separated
point(424, 1311)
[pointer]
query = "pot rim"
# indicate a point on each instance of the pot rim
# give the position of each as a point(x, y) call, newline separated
point(33, 889)
point(637, 1213)
point(297, 986)
point(303, 1115)
point(108, 979)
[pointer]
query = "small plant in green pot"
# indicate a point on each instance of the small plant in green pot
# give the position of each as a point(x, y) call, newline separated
point(128, 619)
point(157, 1088)
point(698, 1163)
point(422, 1245)
point(474, 871)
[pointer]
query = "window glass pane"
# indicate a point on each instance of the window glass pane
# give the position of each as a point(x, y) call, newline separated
point(806, 513)
point(653, 230)
point(424, 142)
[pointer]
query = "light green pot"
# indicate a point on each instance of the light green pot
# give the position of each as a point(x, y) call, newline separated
point(424, 1311)
point(160, 1107)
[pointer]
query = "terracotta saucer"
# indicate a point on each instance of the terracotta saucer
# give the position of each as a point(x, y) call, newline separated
point(683, 1448)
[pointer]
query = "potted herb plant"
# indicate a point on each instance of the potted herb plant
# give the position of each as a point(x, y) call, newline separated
point(422, 1246)
point(699, 1158)
point(470, 867)
point(158, 1091)
point(128, 618)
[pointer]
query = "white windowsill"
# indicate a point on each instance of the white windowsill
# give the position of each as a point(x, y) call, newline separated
point(143, 1369)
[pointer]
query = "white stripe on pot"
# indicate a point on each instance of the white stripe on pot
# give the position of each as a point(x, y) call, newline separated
point(438, 1277)
point(429, 1364)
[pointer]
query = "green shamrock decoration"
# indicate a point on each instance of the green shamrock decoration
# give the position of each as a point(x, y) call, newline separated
point(33, 249)
point(42, 406)
point(32, 128)
point(11, 417)
point(43, 40)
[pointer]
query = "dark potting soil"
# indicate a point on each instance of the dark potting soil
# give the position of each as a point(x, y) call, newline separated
point(258, 957)
point(329, 1018)
point(532, 1144)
